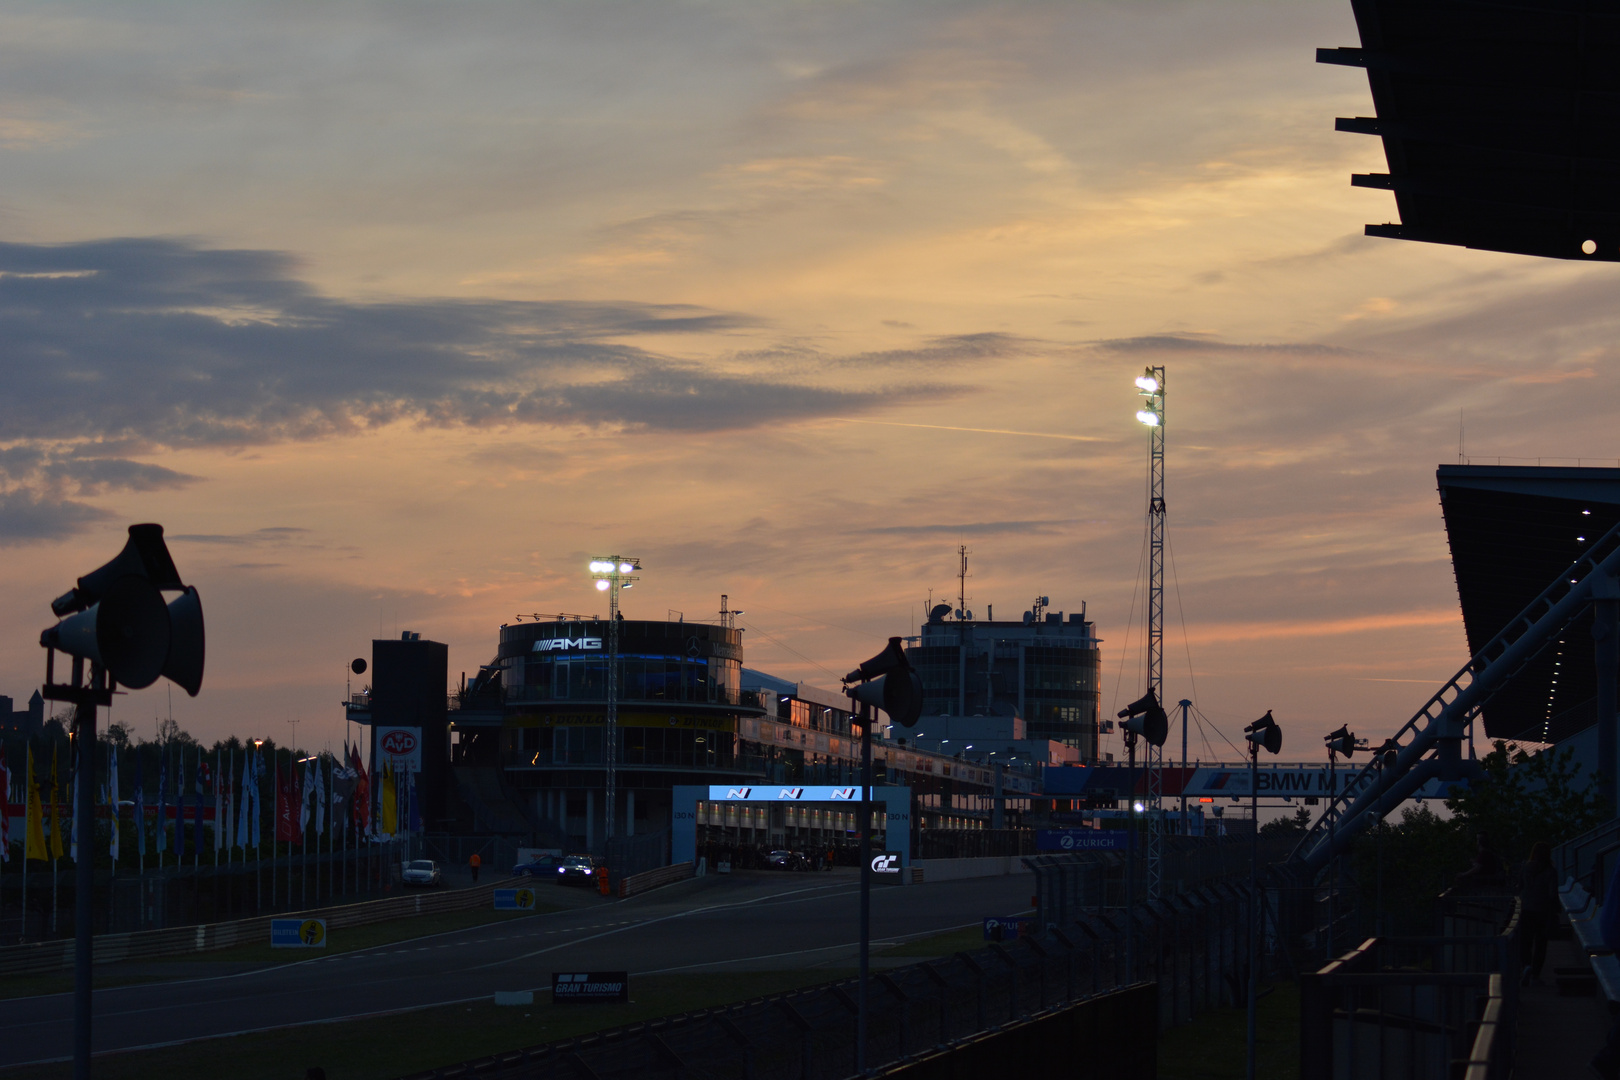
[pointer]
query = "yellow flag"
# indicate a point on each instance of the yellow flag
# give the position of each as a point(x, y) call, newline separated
point(390, 808)
point(56, 811)
point(34, 843)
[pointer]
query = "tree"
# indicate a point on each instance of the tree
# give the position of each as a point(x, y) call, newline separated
point(1297, 825)
point(1523, 798)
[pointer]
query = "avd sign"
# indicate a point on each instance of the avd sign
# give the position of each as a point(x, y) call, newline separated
point(401, 746)
point(567, 644)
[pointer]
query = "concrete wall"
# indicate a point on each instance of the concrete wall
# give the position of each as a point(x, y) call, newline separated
point(957, 869)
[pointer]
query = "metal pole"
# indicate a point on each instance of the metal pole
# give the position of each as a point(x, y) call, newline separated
point(1333, 826)
point(84, 722)
point(1605, 634)
point(1130, 860)
point(866, 886)
point(1155, 633)
point(611, 746)
point(1254, 901)
point(1185, 705)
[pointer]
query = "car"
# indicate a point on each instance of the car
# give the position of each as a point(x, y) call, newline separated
point(782, 859)
point(539, 866)
point(423, 872)
point(576, 870)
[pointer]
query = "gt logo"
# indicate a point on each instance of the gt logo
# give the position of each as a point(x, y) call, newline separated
point(886, 864)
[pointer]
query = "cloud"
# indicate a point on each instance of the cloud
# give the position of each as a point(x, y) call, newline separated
point(978, 528)
point(177, 345)
point(273, 535)
point(27, 516)
point(152, 344)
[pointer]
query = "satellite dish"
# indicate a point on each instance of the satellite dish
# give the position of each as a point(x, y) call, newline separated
point(358, 667)
point(938, 612)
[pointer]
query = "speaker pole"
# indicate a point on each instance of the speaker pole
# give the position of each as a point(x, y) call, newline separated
point(84, 723)
point(866, 886)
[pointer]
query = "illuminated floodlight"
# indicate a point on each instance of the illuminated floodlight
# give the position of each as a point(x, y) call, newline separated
point(625, 568)
point(600, 567)
point(601, 585)
point(1148, 383)
point(1138, 807)
point(1148, 417)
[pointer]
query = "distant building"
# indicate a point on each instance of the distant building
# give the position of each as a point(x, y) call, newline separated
point(25, 722)
point(1044, 670)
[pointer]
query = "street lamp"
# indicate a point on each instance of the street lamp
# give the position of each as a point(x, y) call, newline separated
point(613, 573)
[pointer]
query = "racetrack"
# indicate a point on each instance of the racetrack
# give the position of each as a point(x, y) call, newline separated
point(738, 922)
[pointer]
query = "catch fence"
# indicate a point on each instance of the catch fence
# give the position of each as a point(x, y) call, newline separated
point(1174, 959)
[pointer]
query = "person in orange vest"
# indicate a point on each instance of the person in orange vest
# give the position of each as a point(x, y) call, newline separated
point(475, 862)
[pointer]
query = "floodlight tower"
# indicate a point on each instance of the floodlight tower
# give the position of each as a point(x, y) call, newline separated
point(612, 573)
point(1150, 384)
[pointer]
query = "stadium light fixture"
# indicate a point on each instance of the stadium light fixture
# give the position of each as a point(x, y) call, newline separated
point(1148, 417)
point(1148, 383)
point(602, 584)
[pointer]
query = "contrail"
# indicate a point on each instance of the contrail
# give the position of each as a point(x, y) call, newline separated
point(979, 430)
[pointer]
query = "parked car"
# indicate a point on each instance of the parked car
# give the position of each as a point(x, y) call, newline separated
point(576, 870)
point(539, 866)
point(423, 872)
point(782, 859)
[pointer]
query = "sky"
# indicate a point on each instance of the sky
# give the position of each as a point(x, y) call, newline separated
point(395, 315)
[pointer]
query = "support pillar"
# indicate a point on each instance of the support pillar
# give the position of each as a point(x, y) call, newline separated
point(590, 820)
point(630, 813)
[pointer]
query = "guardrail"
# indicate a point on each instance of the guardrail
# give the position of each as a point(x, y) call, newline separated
point(652, 879)
point(48, 956)
point(1412, 1007)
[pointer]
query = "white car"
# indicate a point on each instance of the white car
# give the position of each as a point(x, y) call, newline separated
point(423, 872)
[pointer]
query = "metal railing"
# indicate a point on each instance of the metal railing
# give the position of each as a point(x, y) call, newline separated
point(1410, 1008)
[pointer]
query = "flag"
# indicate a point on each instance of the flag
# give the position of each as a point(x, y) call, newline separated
point(416, 812)
point(112, 798)
point(306, 788)
point(243, 835)
point(34, 826)
point(5, 809)
point(219, 807)
point(56, 810)
point(163, 803)
point(390, 803)
point(320, 800)
point(257, 813)
point(362, 793)
point(285, 830)
point(73, 807)
point(200, 787)
point(140, 809)
point(224, 805)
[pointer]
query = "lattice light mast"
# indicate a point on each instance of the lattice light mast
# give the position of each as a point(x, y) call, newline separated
point(1150, 384)
point(613, 573)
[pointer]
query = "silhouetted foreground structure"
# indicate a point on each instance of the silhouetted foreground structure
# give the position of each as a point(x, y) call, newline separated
point(1501, 122)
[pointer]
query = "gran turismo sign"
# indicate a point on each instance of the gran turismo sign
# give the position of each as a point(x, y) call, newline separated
point(567, 644)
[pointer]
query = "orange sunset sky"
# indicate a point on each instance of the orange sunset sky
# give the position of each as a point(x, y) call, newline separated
point(394, 315)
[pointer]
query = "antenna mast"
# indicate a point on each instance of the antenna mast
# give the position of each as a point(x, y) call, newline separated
point(961, 629)
point(1152, 389)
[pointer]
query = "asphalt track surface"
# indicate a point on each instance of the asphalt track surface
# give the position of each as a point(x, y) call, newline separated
point(716, 923)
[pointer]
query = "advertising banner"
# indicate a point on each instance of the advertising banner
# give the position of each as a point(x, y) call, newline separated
point(401, 747)
point(1006, 929)
point(594, 987)
point(1082, 840)
point(520, 899)
point(298, 933)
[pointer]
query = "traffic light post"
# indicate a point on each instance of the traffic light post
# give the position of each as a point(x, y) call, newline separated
point(115, 618)
point(886, 682)
point(1263, 732)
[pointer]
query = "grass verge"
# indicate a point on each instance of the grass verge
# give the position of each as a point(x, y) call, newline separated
point(391, 1046)
point(1215, 1046)
point(967, 939)
point(391, 932)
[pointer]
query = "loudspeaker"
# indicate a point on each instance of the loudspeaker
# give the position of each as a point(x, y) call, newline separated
point(126, 632)
point(145, 555)
point(1146, 718)
point(892, 658)
point(900, 694)
point(1341, 741)
point(1265, 732)
point(184, 665)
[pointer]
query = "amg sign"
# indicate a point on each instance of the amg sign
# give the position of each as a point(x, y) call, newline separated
point(567, 644)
